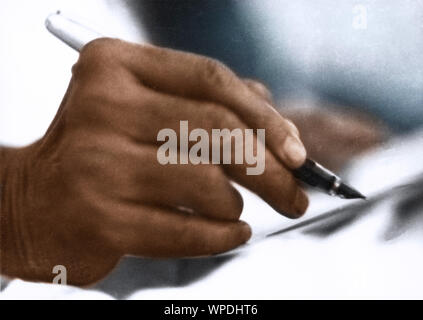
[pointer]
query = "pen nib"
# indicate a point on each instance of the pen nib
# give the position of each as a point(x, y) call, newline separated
point(347, 192)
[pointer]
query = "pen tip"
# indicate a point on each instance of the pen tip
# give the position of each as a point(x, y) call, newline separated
point(348, 192)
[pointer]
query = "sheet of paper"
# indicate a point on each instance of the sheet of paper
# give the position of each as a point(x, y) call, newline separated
point(380, 173)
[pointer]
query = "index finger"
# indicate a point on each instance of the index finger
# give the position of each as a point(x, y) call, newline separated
point(202, 78)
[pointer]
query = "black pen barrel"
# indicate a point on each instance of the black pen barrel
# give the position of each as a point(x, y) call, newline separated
point(316, 176)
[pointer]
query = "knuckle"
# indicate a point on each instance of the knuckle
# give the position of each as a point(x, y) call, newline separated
point(215, 73)
point(220, 117)
point(232, 120)
point(213, 116)
point(259, 88)
point(76, 68)
point(100, 48)
point(155, 53)
point(96, 54)
point(146, 101)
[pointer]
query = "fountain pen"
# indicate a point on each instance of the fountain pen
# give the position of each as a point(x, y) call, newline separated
point(323, 179)
point(312, 173)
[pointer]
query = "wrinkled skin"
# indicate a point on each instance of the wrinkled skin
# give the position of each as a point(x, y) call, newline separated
point(91, 190)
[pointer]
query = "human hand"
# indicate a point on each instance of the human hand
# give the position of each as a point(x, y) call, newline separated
point(91, 190)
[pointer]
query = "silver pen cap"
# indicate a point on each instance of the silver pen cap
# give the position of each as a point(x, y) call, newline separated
point(70, 32)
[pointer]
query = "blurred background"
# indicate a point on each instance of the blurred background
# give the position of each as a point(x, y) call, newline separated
point(365, 54)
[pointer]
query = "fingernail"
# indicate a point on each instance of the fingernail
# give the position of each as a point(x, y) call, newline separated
point(295, 151)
